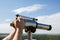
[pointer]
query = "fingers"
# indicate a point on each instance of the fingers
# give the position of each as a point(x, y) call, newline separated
point(18, 23)
point(12, 24)
point(20, 19)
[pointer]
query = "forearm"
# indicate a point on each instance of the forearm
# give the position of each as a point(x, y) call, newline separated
point(18, 35)
point(10, 36)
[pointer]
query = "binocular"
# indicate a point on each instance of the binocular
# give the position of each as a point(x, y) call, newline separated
point(32, 24)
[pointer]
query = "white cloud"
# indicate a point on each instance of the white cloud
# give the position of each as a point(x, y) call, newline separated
point(28, 8)
point(8, 20)
point(54, 20)
point(5, 28)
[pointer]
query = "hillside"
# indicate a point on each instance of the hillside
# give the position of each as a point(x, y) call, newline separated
point(37, 37)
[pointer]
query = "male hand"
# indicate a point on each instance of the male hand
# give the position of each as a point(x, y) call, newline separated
point(18, 23)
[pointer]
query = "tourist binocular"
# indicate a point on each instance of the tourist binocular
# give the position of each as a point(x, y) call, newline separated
point(32, 23)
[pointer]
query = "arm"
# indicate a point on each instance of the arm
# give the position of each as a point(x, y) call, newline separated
point(19, 24)
point(11, 35)
point(18, 35)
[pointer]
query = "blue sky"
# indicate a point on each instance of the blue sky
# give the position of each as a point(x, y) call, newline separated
point(48, 8)
point(6, 7)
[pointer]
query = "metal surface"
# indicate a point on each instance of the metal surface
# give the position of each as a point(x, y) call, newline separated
point(32, 22)
point(26, 17)
point(29, 35)
point(39, 25)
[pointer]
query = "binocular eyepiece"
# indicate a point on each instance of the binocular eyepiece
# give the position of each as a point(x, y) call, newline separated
point(31, 23)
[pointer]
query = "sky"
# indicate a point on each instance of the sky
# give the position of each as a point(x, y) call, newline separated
point(46, 11)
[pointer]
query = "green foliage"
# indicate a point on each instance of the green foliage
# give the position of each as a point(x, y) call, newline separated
point(37, 36)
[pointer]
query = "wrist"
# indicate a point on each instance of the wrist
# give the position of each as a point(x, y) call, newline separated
point(19, 29)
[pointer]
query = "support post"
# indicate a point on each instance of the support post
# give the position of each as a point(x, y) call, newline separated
point(29, 35)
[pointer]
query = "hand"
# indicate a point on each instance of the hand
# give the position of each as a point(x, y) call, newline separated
point(12, 24)
point(19, 23)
